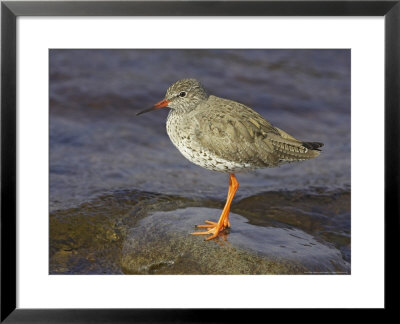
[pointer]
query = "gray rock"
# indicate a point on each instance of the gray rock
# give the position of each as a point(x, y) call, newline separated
point(162, 244)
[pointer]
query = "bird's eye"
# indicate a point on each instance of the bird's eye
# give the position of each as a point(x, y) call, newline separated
point(182, 94)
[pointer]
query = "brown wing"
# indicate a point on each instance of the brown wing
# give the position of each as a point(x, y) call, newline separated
point(235, 132)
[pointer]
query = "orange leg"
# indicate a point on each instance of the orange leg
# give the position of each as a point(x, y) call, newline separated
point(223, 223)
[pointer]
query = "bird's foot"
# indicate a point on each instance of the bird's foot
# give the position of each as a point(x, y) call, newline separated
point(213, 224)
point(214, 228)
point(208, 225)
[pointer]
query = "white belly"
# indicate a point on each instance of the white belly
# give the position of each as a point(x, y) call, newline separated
point(206, 159)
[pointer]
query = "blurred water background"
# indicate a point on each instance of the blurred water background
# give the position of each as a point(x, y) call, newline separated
point(110, 169)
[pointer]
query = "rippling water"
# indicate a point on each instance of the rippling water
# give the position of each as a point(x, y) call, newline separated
point(99, 148)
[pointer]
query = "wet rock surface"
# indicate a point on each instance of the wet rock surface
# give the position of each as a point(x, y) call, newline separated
point(162, 244)
point(133, 232)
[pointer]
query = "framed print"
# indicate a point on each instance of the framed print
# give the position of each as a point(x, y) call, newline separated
point(266, 129)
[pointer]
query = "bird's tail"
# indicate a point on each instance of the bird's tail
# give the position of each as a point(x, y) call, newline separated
point(312, 145)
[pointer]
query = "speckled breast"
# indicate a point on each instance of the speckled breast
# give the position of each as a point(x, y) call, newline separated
point(181, 132)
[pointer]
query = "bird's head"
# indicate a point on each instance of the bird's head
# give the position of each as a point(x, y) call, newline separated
point(183, 95)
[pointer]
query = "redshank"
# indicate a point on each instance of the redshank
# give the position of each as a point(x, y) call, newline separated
point(224, 135)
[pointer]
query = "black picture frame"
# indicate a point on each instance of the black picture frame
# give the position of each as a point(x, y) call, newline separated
point(11, 10)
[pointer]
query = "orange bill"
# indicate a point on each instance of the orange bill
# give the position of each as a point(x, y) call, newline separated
point(158, 105)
